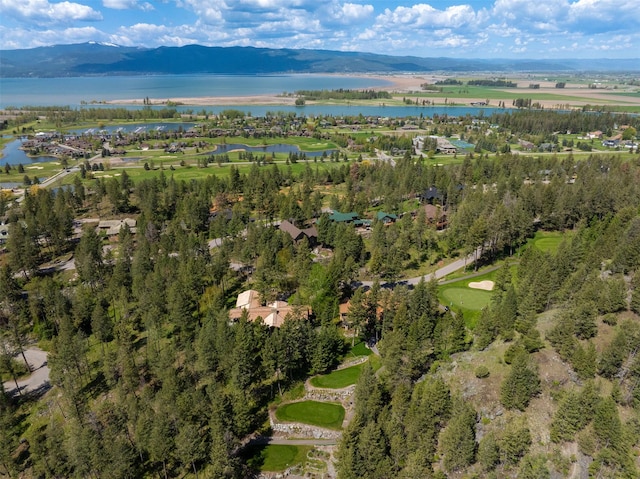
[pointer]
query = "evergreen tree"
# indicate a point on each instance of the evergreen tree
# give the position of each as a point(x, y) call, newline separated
point(457, 441)
point(520, 385)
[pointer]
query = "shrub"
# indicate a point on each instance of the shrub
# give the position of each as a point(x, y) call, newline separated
point(482, 372)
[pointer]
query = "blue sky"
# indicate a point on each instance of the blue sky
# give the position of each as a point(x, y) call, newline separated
point(452, 28)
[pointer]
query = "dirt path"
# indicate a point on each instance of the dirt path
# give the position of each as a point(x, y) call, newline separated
point(39, 378)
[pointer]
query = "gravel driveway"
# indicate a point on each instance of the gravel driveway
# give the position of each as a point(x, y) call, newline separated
point(39, 378)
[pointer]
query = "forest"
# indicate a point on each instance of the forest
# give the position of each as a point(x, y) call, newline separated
point(150, 377)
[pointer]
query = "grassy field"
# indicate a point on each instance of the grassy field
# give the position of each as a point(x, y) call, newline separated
point(458, 295)
point(188, 172)
point(359, 349)
point(338, 379)
point(276, 458)
point(315, 413)
point(548, 240)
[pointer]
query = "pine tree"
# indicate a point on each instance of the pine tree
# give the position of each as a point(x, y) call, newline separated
point(568, 419)
point(607, 425)
point(488, 452)
point(520, 385)
point(457, 441)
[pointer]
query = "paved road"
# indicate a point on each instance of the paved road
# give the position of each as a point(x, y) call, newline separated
point(39, 378)
point(438, 274)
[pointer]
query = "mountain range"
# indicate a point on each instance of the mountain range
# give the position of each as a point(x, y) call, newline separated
point(89, 59)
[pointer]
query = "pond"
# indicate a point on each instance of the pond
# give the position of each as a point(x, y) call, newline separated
point(13, 155)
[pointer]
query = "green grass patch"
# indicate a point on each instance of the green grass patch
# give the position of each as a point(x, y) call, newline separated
point(276, 458)
point(375, 361)
point(359, 349)
point(189, 172)
point(315, 413)
point(470, 301)
point(338, 379)
point(548, 241)
point(20, 371)
point(466, 298)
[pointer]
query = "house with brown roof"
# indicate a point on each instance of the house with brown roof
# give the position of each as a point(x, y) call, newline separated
point(113, 227)
point(273, 314)
point(436, 215)
point(298, 234)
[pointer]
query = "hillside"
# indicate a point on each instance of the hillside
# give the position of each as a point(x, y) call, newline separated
point(525, 365)
point(101, 59)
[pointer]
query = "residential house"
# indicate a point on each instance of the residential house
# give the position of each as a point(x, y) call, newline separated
point(339, 217)
point(436, 215)
point(113, 227)
point(445, 146)
point(272, 314)
point(386, 218)
point(432, 195)
point(526, 145)
point(594, 134)
point(298, 234)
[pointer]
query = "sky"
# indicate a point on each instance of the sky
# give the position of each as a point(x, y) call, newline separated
point(434, 28)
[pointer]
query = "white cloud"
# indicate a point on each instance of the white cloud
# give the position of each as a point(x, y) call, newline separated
point(345, 13)
point(43, 12)
point(128, 5)
point(207, 11)
point(150, 35)
point(424, 16)
point(523, 11)
point(16, 38)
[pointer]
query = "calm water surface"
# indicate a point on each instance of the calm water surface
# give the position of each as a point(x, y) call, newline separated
point(76, 90)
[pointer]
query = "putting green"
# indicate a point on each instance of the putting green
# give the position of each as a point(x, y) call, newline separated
point(315, 413)
point(466, 298)
point(548, 241)
point(338, 379)
point(275, 457)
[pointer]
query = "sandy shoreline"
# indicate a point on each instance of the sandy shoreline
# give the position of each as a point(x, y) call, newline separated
point(398, 84)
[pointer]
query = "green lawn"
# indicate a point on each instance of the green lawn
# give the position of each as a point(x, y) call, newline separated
point(275, 458)
point(187, 173)
point(466, 298)
point(315, 413)
point(470, 301)
point(338, 379)
point(360, 349)
point(548, 241)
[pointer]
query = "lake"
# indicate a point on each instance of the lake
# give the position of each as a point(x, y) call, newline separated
point(74, 91)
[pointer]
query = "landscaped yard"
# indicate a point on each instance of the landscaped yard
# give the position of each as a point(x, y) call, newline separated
point(275, 458)
point(359, 349)
point(338, 379)
point(315, 413)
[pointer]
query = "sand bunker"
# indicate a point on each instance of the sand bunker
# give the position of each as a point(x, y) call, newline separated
point(486, 285)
